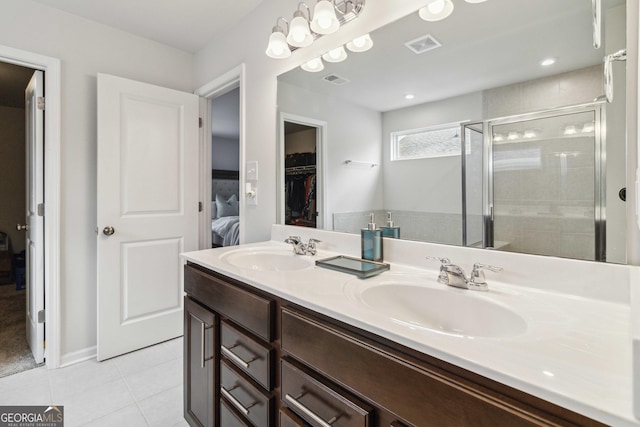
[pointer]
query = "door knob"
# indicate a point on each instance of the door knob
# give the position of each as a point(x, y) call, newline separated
point(20, 227)
point(108, 230)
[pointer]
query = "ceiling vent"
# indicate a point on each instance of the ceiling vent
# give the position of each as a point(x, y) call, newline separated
point(423, 44)
point(335, 79)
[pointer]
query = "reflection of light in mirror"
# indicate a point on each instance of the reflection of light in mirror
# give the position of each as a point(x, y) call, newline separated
point(529, 134)
point(549, 374)
point(436, 10)
point(313, 66)
point(497, 137)
point(563, 160)
point(360, 44)
point(513, 135)
point(515, 159)
point(547, 62)
point(409, 96)
point(570, 130)
point(588, 127)
point(335, 55)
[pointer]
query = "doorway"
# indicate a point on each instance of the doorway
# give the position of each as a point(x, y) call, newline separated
point(302, 197)
point(15, 354)
point(225, 168)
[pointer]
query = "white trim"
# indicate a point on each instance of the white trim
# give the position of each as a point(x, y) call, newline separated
point(324, 222)
point(52, 114)
point(217, 87)
point(78, 356)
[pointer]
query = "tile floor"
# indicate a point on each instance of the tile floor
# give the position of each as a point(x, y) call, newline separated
point(143, 388)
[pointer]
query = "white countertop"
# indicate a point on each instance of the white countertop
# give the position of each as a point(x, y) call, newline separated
point(576, 352)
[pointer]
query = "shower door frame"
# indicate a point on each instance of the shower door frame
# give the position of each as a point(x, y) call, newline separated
point(599, 110)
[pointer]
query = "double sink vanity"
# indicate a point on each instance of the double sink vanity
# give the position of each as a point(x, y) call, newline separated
point(272, 339)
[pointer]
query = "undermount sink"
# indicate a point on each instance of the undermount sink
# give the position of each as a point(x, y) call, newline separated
point(444, 310)
point(267, 260)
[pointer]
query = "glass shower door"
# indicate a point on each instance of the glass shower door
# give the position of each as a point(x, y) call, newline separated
point(546, 181)
point(472, 190)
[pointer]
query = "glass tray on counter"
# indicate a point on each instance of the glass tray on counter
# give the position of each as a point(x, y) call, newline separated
point(359, 267)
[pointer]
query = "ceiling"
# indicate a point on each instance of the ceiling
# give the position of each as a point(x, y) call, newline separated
point(484, 45)
point(184, 24)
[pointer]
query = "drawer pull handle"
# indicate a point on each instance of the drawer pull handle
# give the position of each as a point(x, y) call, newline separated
point(308, 412)
point(239, 406)
point(203, 328)
point(237, 359)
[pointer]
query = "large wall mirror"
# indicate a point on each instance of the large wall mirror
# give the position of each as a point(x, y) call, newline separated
point(465, 134)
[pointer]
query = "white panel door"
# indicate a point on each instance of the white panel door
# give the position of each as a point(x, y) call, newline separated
point(147, 211)
point(35, 210)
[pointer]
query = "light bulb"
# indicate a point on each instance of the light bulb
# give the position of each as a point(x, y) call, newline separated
point(570, 130)
point(360, 44)
point(497, 137)
point(529, 134)
point(313, 66)
point(436, 6)
point(547, 62)
point(436, 10)
point(512, 135)
point(299, 33)
point(278, 47)
point(324, 20)
point(335, 55)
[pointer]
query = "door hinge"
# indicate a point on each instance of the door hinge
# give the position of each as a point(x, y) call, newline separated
point(40, 102)
point(41, 316)
point(40, 209)
point(200, 122)
point(199, 206)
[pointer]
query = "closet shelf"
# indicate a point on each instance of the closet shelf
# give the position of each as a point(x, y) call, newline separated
point(293, 170)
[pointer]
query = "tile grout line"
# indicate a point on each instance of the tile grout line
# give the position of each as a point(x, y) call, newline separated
point(135, 399)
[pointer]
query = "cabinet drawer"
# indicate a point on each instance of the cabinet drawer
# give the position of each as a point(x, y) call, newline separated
point(319, 404)
point(418, 395)
point(228, 298)
point(228, 418)
point(247, 354)
point(244, 397)
point(289, 419)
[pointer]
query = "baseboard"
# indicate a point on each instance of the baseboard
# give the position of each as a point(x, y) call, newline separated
point(78, 356)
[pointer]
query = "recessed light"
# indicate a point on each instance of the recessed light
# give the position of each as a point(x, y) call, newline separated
point(409, 96)
point(547, 62)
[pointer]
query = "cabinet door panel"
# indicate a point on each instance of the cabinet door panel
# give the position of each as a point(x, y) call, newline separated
point(226, 297)
point(228, 417)
point(200, 382)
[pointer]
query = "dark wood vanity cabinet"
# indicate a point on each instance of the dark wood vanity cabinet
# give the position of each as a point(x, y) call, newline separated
point(275, 363)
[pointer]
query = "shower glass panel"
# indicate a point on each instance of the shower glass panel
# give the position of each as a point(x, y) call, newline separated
point(546, 174)
point(473, 137)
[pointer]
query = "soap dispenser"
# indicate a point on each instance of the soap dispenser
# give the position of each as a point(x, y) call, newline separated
point(371, 241)
point(390, 230)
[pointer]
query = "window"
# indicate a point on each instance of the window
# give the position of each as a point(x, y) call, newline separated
point(436, 141)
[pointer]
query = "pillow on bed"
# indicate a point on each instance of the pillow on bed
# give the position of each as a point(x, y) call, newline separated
point(227, 207)
point(214, 210)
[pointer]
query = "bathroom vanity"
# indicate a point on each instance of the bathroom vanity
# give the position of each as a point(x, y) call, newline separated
point(262, 348)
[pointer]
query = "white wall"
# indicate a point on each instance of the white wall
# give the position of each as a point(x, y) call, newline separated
point(85, 48)
point(12, 165)
point(225, 153)
point(440, 191)
point(249, 41)
point(349, 187)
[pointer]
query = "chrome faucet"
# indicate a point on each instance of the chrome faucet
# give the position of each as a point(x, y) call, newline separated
point(453, 275)
point(300, 248)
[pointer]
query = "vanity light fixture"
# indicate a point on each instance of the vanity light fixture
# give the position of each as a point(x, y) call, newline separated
point(313, 66)
point(530, 134)
point(299, 32)
point(360, 44)
point(327, 17)
point(278, 47)
point(497, 137)
point(335, 55)
point(512, 135)
point(436, 10)
point(570, 130)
